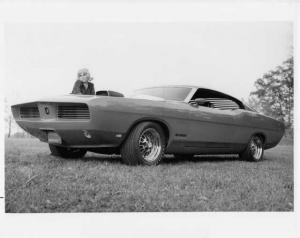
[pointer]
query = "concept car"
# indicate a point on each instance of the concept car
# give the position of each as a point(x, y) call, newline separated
point(179, 120)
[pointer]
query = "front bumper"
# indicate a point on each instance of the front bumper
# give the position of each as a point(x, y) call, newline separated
point(73, 134)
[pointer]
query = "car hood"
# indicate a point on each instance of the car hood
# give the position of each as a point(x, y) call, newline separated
point(74, 98)
point(78, 98)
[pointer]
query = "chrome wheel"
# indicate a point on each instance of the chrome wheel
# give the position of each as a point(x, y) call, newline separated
point(150, 144)
point(256, 148)
point(144, 145)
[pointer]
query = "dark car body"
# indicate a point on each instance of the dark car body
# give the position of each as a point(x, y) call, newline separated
point(102, 123)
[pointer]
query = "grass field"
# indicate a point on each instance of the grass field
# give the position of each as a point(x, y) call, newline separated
point(35, 181)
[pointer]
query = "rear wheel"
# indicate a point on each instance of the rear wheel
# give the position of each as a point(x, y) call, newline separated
point(254, 150)
point(144, 145)
point(66, 152)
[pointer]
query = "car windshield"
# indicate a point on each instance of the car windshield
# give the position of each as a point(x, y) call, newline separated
point(163, 93)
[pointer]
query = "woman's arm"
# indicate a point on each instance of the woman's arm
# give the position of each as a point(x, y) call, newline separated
point(76, 87)
point(93, 89)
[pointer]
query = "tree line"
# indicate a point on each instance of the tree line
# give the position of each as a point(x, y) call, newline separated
point(274, 93)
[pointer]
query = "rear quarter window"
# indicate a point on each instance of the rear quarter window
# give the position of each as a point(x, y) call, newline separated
point(222, 103)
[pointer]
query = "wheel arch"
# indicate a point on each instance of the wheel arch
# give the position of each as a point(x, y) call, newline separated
point(261, 135)
point(164, 125)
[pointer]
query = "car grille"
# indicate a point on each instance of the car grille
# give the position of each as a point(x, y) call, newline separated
point(73, 111)
point(29, 112)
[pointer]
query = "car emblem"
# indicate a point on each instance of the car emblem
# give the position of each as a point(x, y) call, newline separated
point(47, 110)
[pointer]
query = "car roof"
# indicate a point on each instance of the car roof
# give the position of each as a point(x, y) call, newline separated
point(183, 86)
point(172, 86)
point(195, 87)
point(187, 86)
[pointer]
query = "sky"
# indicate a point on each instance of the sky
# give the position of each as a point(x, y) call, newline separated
point(42, 59)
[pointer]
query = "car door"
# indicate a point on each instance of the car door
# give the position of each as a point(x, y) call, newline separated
point(215, 128)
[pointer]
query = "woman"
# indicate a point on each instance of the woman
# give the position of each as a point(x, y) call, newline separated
point(82, 84)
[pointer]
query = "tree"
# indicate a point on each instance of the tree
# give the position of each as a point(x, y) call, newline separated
point(274, 94)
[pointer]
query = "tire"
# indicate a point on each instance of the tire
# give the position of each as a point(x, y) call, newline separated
point(254, 150)
point(144, 145)
point(184, 156)
point(67, 152)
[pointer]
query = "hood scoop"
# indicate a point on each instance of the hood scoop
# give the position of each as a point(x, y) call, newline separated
point(109, 93)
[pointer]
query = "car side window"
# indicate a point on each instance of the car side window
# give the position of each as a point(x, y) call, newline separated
point(223, 103)
point(213, 99)
point(216, 103)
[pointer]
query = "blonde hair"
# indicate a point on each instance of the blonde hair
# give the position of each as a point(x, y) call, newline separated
point(84, 70)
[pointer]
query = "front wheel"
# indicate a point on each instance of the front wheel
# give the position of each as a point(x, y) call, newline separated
point(254, 150)
point(66, 152)
point(144, 145)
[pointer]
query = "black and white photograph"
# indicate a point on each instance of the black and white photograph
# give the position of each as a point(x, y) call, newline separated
point(137, 117)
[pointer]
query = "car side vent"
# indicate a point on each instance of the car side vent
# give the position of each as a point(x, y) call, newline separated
point(223, 104)
point(73, 111)
point(29, 112)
